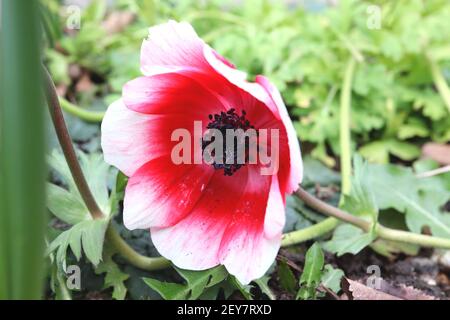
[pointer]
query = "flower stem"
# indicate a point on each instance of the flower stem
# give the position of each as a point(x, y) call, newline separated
point(439, 80)
point(345, 134)
point(331, 211)
point(381, 231)
point(90, 116)
point(67, 147)
point(134, 258)
point(314, 231)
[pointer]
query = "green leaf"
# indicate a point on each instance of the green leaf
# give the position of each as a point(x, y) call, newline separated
point(67, 206)
point(196, 283)
point(348, 239)
point(331, 278)
point(286, 277)
point(114, 278)
point(312, 273)
point(264, 286)
point(88, 235)
point(420, 199)
point(96, 172)
point(378, 151)
point(360, 202)
point(167, 290)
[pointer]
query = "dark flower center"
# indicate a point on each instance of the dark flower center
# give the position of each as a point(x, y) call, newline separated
point(230, 162)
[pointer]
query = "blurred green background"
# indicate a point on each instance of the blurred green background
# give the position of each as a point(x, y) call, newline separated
point(399, 96)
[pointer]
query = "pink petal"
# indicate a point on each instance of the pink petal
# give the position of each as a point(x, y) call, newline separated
point(296, 164)
point(161, 193)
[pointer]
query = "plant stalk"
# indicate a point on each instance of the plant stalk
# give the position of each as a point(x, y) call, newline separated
point(86, 115)
point(381, 231)
point(439, 81)
point(134, 258)
point(314, 231)
point(345, 132)
point(67, 147)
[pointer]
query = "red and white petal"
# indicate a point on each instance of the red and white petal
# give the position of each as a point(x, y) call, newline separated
point(126, 139)
point(194, 242)
point(234, 76)
point(131, 139)
point(170, 93)
point(161, 193)
point(296, 169)
point(172, 47)
point(247, 251)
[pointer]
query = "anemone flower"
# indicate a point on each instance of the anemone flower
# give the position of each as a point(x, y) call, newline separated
point(201, 213)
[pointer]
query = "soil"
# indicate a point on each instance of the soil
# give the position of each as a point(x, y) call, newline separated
point(423, 272)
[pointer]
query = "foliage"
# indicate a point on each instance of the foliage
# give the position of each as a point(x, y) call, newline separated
point(395, 104)
point(312, 273)
point(85, 233)
point(197, 284)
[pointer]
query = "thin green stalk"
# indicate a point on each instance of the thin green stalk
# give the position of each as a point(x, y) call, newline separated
point(90, 116)
point(312, 232)
point(136, 259)
point(412, 238)
point(439, 81)
point(345, 131)
point(22, 153)
point(381, 231)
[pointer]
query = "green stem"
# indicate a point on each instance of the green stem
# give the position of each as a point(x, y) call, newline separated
point(412, 238)
point(134, 258)
point(63, 291)
point(345, 132)
point(439, 81)
point(314, 231)
point(90, 116)
point(381, 231)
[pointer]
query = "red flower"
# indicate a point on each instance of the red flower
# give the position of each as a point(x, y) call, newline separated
point(200, 215)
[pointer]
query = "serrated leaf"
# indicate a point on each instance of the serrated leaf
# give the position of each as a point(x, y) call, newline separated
point(420, 199)
point(360, 202)
point(348, 239)
point(114, 278)
point(88, 235)
point(331, 278)
point(312, 272)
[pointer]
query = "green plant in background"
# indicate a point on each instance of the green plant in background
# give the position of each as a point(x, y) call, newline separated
point(399, 95)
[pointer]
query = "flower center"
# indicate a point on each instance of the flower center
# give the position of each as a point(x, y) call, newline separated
point(234, 130)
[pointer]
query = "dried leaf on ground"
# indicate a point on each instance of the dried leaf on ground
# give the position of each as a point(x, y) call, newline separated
point(358, 291)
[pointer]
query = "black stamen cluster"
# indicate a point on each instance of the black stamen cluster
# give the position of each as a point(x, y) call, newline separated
point(222, 122)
